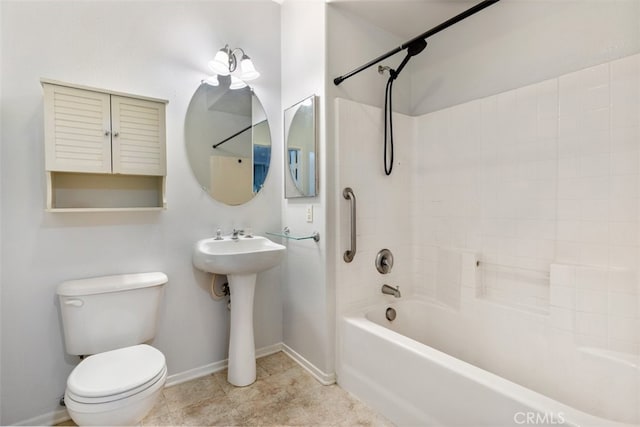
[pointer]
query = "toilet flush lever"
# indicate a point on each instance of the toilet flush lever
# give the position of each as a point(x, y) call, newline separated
point(74, 302)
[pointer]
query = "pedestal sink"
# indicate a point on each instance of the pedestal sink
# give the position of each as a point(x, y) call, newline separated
point(241, 260)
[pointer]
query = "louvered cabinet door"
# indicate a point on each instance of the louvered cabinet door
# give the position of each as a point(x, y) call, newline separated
point(77, 130)
point(138, 142)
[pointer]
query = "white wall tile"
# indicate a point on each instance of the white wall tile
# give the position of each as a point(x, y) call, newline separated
point(624, 329)
point(623, 233)
point(625, 86)
point(594, 254)
point(590, 301)
point(563, 275)
point(595, 165)
point(623, 305)
point(595, 209)
point(623, 281)
point(563, 297)
point(598, 97)
point(589, 324)
point(624, 162)
point(591, 278)
point(623, 209)
point(562, 318)
point(625, 139)
point(623, 256)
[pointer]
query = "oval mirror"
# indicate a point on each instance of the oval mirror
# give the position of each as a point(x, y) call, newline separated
point(228, 142)
point(300, 139)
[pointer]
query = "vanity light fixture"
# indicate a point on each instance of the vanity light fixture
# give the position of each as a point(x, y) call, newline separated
point(212, 80)
point(226, 62)
point(236, 83)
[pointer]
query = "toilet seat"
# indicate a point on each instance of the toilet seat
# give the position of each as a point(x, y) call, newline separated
point(116, 374)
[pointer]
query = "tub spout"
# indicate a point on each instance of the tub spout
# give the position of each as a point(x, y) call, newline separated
point(390, 290)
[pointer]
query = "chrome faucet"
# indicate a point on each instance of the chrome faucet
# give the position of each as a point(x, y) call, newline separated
point(236, 233)
point(218, 234)
point(390, 290)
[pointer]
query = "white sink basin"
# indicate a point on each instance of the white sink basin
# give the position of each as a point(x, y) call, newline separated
point(245, 255)
point(241, 260)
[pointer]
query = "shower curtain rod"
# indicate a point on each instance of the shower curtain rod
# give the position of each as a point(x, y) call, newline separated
point(236, 134)
point(475, 9)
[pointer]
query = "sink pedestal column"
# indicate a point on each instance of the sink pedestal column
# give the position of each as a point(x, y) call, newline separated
point(242, 349)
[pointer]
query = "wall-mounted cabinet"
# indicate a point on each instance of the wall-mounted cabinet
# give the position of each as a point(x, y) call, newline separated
point(103, 150)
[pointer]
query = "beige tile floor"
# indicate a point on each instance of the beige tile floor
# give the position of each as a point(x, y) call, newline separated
point(283, 394)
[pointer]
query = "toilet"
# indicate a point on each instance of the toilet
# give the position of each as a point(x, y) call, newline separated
point(109, 320)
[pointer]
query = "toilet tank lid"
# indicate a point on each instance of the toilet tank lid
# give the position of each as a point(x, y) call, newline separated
point(104, 284)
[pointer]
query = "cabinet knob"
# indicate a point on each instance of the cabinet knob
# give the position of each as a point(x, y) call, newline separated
point(107, 133)
point(116, 134)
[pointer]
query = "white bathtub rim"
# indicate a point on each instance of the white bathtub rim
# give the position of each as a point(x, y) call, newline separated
point(528, 397)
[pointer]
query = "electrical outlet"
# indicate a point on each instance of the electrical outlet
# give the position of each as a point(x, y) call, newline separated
point(309, 214)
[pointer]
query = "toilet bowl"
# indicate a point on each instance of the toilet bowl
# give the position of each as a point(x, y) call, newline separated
point(117, 387)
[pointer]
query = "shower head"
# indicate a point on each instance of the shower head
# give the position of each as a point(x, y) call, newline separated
point(416, 47)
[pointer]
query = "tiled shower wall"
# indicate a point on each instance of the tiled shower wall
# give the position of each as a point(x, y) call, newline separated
point(383, 213)
point(540, 175)
point(487, 182)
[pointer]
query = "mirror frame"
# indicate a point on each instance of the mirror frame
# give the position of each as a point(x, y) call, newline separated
point(291, 189)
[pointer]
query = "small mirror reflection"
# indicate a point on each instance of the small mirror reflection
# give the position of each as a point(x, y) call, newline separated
point(301, 179)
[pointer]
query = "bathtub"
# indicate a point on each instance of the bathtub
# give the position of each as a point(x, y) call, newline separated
point(412, 370)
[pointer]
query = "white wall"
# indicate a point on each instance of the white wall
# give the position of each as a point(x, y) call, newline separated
point(1, 223)
point(320, 42)
point(515, 43)
point(307, 293)
point(158, 49)
point(352, 42)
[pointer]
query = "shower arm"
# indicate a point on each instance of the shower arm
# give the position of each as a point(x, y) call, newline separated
point(471, 11)
point(414, 48)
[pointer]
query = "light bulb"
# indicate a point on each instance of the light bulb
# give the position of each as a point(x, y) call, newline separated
point(220, 63)
point(212, 80)
point(236, 83)
point(247, 70)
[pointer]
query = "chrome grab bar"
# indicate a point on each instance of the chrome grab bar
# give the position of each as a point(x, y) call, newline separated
point(347, 193)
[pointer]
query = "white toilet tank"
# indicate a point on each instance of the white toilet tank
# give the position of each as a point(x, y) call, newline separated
point(106, 313)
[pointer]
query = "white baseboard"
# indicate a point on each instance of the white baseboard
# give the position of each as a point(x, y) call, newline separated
point(48, 419)
point(322, 377)
point(192, 374)
point(214, 367)
point(61, 415)
point(268, 350)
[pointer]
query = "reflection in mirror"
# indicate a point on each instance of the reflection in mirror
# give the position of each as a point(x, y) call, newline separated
point(301, 179)
point(228, 142)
